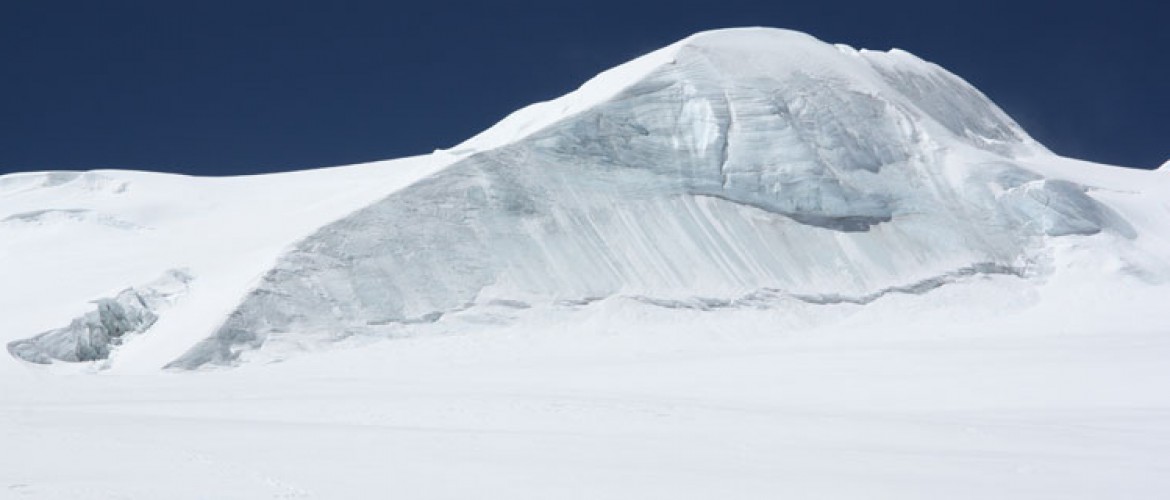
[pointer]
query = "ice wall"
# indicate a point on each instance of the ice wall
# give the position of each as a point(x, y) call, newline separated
point(92, 336)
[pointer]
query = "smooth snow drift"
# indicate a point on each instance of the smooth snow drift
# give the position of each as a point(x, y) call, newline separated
point(749, 265)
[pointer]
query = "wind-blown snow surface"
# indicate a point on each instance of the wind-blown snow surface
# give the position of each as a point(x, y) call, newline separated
point(749, 265)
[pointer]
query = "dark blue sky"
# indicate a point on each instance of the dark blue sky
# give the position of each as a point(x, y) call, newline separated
point(242, 87)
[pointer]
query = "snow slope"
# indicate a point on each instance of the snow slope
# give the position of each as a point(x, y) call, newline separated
point(748, 265)
point(67, 238)
point(578, 410)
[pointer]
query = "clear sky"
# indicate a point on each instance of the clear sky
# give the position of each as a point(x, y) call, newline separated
point(211, 87)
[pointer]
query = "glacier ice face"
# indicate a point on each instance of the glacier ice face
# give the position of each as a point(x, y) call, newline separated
point(750, 160)
point(950, 102)
point(93, 335)
point(1058, 208)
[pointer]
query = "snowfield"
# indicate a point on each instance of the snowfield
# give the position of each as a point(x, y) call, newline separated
point(748, 265)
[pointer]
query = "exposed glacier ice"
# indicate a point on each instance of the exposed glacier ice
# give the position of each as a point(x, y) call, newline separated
point(95, 334)
point(1059, 208)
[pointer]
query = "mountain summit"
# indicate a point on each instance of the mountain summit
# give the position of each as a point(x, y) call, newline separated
point(743, 168)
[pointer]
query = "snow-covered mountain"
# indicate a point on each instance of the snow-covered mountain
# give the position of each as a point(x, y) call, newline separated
point(747, 265)
point(735, 168)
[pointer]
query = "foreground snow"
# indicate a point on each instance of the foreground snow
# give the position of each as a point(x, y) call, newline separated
point(1010, 396)
point(715, 409)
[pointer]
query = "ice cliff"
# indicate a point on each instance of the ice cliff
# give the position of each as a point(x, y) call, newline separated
point(93, 335)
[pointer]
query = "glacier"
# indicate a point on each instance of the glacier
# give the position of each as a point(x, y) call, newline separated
point(735, 161)
point(115, 320)
point(750, 264)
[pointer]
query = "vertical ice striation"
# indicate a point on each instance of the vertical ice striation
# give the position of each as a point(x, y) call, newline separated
point(734, 161)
